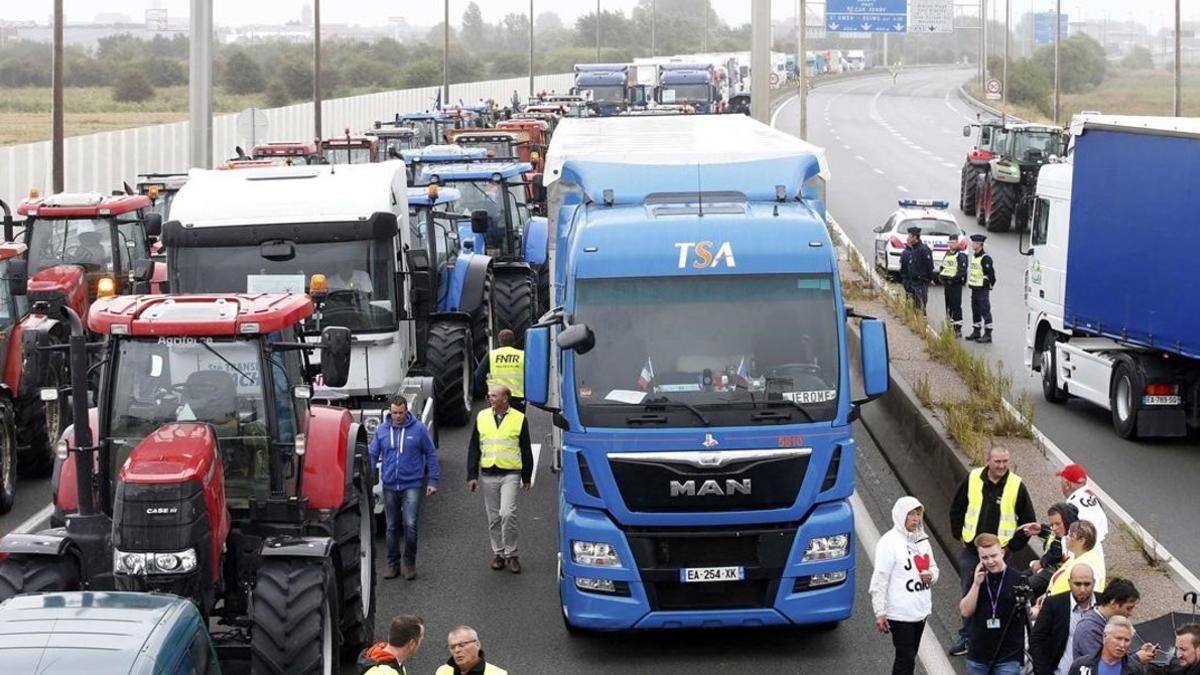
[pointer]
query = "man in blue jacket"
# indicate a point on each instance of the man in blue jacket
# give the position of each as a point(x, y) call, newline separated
point(406, 456)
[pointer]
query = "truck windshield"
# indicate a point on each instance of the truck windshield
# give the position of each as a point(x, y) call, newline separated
point(79, 241)
point(361, 277)
point(683, 93)
point(607, 93)
point(722, 344)
point(183, 379)
point(1037, 145)
point(340, 155)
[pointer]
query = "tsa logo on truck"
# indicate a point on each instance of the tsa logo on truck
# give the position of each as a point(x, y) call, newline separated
point(701, 255)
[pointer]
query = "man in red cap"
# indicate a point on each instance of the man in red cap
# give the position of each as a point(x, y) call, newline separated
point(1073, 480)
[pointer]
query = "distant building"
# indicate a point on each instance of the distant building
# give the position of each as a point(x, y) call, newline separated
point(306, 15)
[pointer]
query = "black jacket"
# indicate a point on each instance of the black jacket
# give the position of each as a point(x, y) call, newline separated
point(916, 264)
point(1089, 665)
point(1048, 638)
point(989, 271)
point(1174, 668)
point(960, 272)
point(989, 515)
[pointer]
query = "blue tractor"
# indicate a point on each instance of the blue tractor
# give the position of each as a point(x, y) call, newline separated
point(455, 283)
point(441, 153)
point(502, 226)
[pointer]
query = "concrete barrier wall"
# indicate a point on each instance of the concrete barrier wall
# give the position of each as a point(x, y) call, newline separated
point(100, 162)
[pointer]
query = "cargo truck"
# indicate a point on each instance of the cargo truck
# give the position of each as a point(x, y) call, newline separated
point(698, 366)
point(1112, 315)
point(692, 84)
point(609, 87)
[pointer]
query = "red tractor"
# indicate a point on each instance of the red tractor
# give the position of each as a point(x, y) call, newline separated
point(11, 310)
point(287, 153)
point(988, 136)
point(350, 149)
point(77, 247)
point(214, 476)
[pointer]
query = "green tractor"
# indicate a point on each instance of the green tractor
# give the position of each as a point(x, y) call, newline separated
point(1004, 189)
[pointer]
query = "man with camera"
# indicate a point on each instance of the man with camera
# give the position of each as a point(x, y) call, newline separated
point(994, 608)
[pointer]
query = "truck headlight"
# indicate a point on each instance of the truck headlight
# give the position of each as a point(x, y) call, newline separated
point(595, 585)
point(831, 547)
point(143, 563)
point(595, 553)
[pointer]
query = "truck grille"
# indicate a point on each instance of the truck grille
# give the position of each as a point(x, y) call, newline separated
point(737, 480)
point(761, 550)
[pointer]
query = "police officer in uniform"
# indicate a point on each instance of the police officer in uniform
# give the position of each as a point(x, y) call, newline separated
point(991, 500)
point(953, 275)
point(981, 277)
point(506, 366)
point(916, 268)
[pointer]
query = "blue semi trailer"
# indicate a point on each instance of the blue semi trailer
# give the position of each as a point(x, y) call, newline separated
point(1112, 313)
point(698, 365)
point(610, 88)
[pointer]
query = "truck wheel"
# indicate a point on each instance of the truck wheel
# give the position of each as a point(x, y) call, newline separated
point(8, 464)
point(1125, 398)
point(448, 357)
point(40, 425)
point(515, 304)
point(1049, 365)
point(1001, 199)
point(353, 529)
point(293, 618)
point(966, 189)
point(23, 573)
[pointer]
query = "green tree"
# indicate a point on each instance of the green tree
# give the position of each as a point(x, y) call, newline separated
point(1081, 65)
point(1138, 59)
point(164, 71)
point(21, 72)
point(421, 73)
point(131, 86)
point(243, 75)
point(277, 95)
point(1029, 85)
point(296, 77)
point(508, 64)
point(474, 30)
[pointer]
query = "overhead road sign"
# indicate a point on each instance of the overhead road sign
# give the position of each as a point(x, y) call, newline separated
point(931, 16)
point(1043, 28)
point(866, 16)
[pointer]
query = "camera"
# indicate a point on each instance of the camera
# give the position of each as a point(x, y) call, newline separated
point(1021, 592)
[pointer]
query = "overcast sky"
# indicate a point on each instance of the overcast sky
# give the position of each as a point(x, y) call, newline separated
point(428, 12)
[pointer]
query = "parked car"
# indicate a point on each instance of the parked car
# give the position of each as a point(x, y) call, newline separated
point(936, 223)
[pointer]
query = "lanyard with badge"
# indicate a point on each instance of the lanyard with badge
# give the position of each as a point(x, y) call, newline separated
point(994, 599)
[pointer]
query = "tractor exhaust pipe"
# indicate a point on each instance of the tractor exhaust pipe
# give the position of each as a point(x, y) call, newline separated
point(84, 452)
point(8, 221)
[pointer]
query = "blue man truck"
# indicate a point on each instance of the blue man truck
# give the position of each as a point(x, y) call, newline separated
point(609, 87)
point(692, 84)
point(698, 365)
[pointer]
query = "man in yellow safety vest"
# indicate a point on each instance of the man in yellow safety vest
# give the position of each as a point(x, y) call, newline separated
point(500, 459)
point(990, 500)
point(953, 274)
point(466, 655)
point(505, 365)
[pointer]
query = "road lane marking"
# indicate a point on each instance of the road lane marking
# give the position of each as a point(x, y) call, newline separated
point(952, 166)
point(901, 188)
point(930, 652)
point(859, 157)
point(878, 171)
point(35, 521)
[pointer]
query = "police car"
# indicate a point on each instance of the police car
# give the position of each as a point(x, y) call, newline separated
point(937, 223)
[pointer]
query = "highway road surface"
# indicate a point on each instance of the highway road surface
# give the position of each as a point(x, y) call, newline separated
point(892, 141)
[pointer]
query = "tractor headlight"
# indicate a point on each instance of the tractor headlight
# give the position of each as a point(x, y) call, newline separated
point(143, 563)
point(827, 548)
point(371, 423)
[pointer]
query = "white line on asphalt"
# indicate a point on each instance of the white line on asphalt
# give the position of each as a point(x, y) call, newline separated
point(878, 171)
point(859, 157)
point(901, 188)
point(1149, 542)
point(845, 146)
point(35, 521)
point(936, 158)
point(952, 166)
point(930, 652)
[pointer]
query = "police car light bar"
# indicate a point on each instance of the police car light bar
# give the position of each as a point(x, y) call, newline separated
point(928, 203)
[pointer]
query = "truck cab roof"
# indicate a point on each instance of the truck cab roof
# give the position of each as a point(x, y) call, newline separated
point(81, 205)
point(101, 632)
point(201, 315)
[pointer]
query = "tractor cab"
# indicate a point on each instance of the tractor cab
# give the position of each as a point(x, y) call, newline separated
point(495, 143)
point(81, 245)
point(550, 119)
point(431, 126)
point(287, 153)
point(392, 140)
point(350, 149)
point(476, 115)
point(161, 188)
point(434, 217)
point(416, 159)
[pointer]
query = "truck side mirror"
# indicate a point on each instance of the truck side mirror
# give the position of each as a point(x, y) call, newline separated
point(143, 269)
point(18, 277)
point(874, 359)
point(335, 356)
point(537, 365)
point(479, 221)
point(153, 224)
point(577, 338)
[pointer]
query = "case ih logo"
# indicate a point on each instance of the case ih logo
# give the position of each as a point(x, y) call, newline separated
point(701, 255)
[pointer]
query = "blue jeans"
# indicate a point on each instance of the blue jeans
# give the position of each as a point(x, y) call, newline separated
point(401, 508)
point(1006, 668)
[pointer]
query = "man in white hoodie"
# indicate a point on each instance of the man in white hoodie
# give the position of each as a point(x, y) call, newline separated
point(904, 572)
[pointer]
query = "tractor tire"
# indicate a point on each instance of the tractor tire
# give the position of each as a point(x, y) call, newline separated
point(981, 196)
point(22, 573)
point(966, 189)
point(1001, 201)
point(40, 425)
point(515, 303)
point(293, 618)
point(355, 556)
point(8, 462)
point(448, 358)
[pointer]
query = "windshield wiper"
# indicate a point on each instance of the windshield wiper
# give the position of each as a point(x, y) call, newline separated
point(227, 361)
point(664, 401)
point(774, 403)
